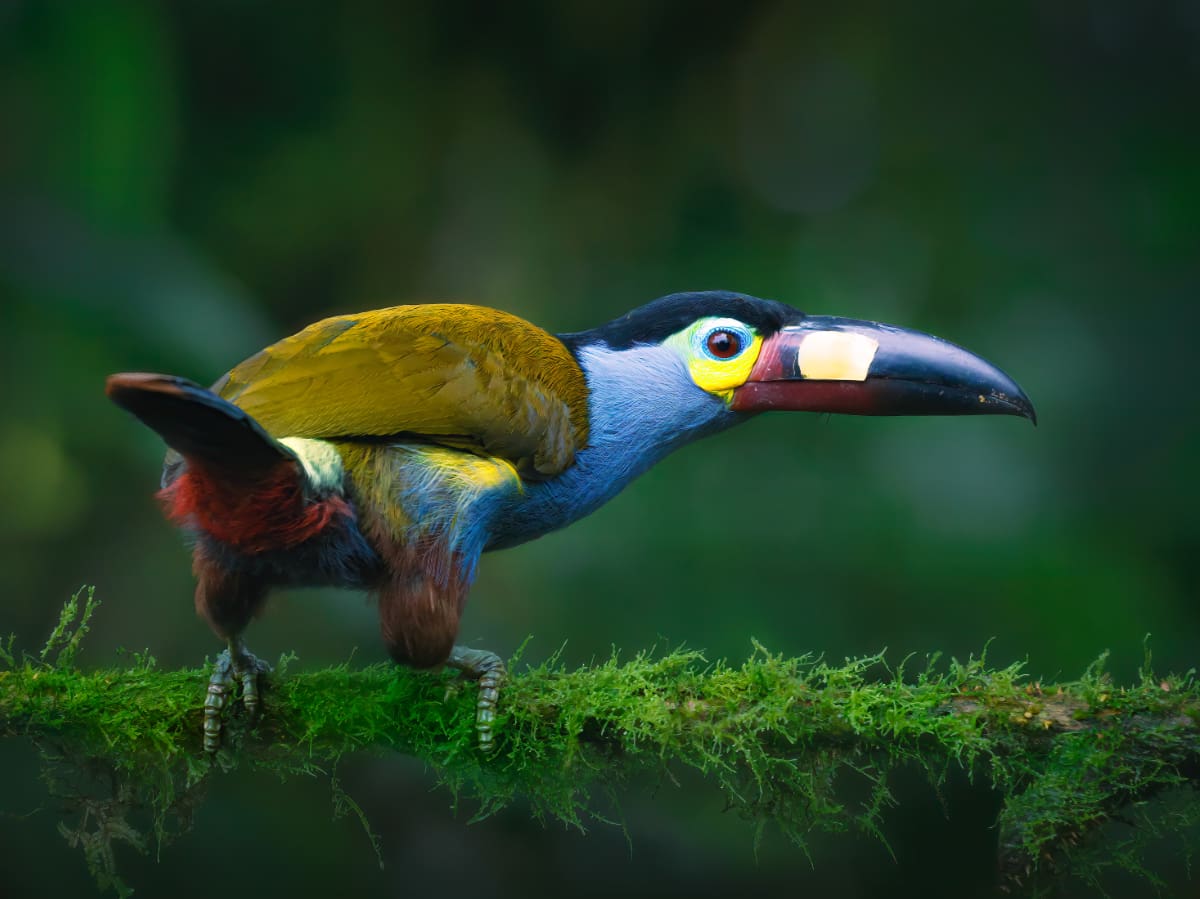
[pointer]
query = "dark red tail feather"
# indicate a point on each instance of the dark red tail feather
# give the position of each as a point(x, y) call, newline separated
point(198, 424)
point(240, 485)
point(272, 513)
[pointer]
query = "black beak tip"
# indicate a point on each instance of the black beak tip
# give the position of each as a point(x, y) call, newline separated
point(1006, 393)
point(1019, 404)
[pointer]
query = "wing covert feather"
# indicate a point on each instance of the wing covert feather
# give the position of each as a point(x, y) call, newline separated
point(478, 377)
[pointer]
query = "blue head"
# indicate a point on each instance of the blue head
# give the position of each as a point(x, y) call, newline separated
point(691, 364)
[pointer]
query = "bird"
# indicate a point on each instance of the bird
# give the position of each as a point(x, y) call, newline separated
point(387, 451)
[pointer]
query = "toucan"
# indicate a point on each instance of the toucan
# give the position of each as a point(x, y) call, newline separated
point(388, 450)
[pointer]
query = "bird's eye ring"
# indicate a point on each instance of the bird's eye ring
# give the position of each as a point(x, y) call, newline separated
point(722, 343)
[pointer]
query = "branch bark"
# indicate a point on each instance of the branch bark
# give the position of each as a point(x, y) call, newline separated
point(778, 735)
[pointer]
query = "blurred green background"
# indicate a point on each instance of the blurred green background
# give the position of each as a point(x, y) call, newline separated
point(183, 183)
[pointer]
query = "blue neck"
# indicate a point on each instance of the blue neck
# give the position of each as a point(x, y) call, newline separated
point(642, 406)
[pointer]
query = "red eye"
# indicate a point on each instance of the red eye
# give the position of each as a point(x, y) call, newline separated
point(724, 344)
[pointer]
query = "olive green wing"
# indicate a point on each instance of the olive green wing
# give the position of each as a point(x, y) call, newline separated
point(466, 376)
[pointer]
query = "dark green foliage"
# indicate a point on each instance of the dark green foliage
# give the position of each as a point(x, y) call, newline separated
point(186, 182)
point(782, 738)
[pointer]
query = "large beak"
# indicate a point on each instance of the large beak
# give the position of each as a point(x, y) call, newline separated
point(827, 364)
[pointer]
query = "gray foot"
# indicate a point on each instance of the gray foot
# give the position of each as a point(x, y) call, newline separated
point(487, 668)
point(233, 665)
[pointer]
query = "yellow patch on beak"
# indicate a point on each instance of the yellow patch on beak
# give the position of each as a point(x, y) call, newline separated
point(835, 356)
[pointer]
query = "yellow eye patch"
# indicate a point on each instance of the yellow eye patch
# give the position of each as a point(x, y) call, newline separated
point(709, 370)
point(722, 375)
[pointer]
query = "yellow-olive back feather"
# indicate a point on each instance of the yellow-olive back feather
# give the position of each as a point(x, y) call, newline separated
point(466, 376)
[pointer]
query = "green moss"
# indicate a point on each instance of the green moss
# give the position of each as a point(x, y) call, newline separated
point(780, 737)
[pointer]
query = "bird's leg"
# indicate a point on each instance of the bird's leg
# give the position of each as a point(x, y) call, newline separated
point(487, 668)
point(235, 664)
point(220, 685)
point(248, 667)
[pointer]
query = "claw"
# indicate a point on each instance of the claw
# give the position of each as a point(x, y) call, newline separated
point(251, 668)
point(219, 687)
point(234, 664)
point(488, 669)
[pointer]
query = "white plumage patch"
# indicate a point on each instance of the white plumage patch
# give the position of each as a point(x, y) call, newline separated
point(322, 462)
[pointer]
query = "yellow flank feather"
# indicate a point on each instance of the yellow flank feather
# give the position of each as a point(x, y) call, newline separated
point(469, 376)
point(412, 488)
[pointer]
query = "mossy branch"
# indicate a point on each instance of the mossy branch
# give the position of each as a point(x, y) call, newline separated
point(777, 735)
